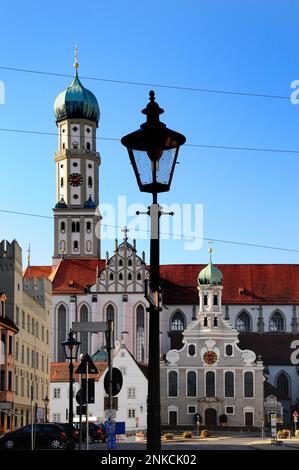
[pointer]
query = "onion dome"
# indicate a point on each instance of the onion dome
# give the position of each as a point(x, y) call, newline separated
point(210, 274)
point(76, 102)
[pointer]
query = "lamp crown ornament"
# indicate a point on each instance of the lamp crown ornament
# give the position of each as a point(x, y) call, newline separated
point(152, 112)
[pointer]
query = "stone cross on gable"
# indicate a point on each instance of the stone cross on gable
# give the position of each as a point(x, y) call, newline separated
point(125, 230)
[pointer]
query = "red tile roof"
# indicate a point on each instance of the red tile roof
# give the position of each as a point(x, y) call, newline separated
point(37, 271)
point(261, 283)
point(70, 276)
point(74, 275)
point(274, 348)
point(242, 283)
point(59, 371)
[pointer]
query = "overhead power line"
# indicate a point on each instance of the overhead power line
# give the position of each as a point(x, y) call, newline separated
point(182, 235)
point(222, 147)
point(153, 85)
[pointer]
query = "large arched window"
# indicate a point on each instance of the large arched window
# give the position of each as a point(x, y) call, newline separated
point(191, 383)
point(110, 315)
point(243, 322)
point(229, 384)
point(61, 332)
point(177, 322)
point(277, 322)
point(140, 334)
point(210, 384)
point(173, 383)
point(283, 385)
point(84, 335)
point(248, 384)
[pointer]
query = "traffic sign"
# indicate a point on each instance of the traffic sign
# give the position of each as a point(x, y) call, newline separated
point(110, 414)
point(110, 426)
point(83, 410)
point(114, 403)
point(117, 381)
point(295, 414)
point(86, 364)
point(80, 397)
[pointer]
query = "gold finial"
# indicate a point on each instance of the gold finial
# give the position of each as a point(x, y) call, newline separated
point(28, 256)
point(210, 250)
point(76, 64)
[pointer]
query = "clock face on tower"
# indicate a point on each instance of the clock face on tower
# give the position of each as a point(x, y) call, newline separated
point(75, 179)
point(210, 357)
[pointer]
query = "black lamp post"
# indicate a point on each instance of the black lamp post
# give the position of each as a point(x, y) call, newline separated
point(70, 347)
point(153, 151)
point(46, 402)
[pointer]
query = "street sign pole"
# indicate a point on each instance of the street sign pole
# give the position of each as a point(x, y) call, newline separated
point(80, 416)
point(87, 427)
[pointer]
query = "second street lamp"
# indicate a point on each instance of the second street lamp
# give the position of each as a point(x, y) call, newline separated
point(46, 402)
point(70, 347)
point(153, 151)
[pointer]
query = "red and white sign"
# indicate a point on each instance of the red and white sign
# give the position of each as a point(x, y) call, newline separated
point(295, 414)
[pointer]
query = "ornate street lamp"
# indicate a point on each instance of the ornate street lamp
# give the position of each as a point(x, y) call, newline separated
point(70, 347)
point(153, 151)
point(46, 402)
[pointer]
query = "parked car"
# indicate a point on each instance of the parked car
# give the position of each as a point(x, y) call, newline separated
point(45, 436)
point(96, 433)
point(71, 435)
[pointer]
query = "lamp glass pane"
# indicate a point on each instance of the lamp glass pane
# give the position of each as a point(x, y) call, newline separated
point(145, 166)
point(164, 166)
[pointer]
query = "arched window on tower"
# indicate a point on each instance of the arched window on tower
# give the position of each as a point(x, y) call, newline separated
point(62, 227)
point(130, 262)
point(248, 385)
point(243, 322)
point(90, 182)
point(140, 356)
point(61, 332)
point(61, 181)
point(277, 322)
point(129, 277)
point(88, 145)
point(283, 385)
point(75, 227)
point(110, 316)
point(177, 322)
point(84, 335)
point(88, 226)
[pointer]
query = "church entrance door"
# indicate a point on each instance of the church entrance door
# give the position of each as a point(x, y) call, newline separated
point(210, 417)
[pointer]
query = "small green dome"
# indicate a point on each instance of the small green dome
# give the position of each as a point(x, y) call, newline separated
point(210, 274)
point(100, 355)
point(76, 102)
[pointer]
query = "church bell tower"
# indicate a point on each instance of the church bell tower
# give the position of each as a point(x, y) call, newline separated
point(76, 220)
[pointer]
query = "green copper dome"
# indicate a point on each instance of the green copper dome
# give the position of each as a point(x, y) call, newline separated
point(76, 102)
point(210, 274)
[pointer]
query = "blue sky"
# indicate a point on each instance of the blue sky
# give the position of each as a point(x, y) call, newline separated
point(248, 46)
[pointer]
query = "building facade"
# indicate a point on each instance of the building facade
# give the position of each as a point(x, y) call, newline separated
point(210, 375)
point(131, 398)
point(8, 330)
point(29, 307)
